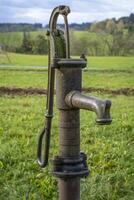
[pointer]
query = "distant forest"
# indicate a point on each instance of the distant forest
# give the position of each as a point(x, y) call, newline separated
point(13, 27)
point(110, 37)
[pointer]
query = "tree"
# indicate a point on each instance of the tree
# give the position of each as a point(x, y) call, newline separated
point(78, 45)
point(94, 28)
point(27, 43)
point(40, 45)
point(94, 47)
point(111, 26)
point(120, 26)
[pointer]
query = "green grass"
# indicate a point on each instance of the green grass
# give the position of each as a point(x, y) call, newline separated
point(93, 62)
point(24, 60)
point(111, 62)
point(17, 77)
point(109, 150)
point(119, 72)
point(108, 80)
point(23, 79)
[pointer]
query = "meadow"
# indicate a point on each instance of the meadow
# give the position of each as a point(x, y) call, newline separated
point(109, 148)
point(95, 62)
point(37, 78)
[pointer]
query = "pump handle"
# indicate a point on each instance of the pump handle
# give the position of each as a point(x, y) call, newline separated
point(46, 131)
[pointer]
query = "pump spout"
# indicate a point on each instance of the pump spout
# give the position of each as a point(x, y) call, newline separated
point(101, 107)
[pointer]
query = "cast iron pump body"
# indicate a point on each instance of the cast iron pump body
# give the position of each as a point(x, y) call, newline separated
point(70, 165)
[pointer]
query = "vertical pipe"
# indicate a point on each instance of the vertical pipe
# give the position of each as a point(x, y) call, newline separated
point(69, 189)
point(69, 129)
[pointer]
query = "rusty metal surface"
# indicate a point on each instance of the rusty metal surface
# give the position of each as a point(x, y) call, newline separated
point(66, 81)
point(69, 189)
point(55, 50)
point(101, 107)
point(70, 165)
point(71, 63)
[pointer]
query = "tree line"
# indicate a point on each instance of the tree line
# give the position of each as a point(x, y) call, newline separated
point(29, 45)
point(107, 38)
point(13, 27)
point(112, 38)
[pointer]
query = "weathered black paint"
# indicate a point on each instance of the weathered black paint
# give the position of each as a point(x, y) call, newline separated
point(70, 165)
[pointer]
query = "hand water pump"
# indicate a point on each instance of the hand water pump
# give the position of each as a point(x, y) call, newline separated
point(70, 165)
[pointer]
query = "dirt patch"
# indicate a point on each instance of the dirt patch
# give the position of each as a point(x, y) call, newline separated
point(41, 91)
point(24, 70)
point(109, 71)
point(120, 91)
point(22, 91)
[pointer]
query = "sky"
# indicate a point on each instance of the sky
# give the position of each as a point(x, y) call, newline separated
point(39, 11)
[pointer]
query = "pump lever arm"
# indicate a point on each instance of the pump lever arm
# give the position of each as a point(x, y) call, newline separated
point(46, 131)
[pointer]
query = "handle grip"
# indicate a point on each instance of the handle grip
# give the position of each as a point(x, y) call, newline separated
point(45, 133)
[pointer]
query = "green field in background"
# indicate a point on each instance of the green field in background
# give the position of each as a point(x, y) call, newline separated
point(93, 62)
point(15, 77)
point(102, 72)
point(15, 38)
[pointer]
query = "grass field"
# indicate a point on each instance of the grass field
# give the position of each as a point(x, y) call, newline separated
point(23, 60)
point(104, 72)
point(109, 148)
point(93, 62)
point(99, 79)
